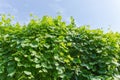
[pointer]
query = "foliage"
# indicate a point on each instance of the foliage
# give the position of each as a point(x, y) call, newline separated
point(49, 49)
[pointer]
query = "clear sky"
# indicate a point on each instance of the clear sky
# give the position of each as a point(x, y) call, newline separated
point(96, 13)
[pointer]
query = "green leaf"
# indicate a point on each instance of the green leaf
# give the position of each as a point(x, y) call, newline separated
point(56, 56)
point(44, 70)
point(1, 69)
point(76, 60)
point(33, 52)
point(11, 70)
point(46, 46)
point(11, 74)
point(60, 69)
point(34, 44)
point(27, 72)
point(17, 59)
point(38, 66)
point(86, 65)
point(44, 65)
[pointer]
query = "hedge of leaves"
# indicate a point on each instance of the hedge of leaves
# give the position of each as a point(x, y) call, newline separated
point(50, 49)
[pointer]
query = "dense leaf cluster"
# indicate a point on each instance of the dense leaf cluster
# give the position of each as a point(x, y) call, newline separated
point(49, 49)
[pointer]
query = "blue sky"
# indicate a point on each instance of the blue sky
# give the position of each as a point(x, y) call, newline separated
point(96, 13)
